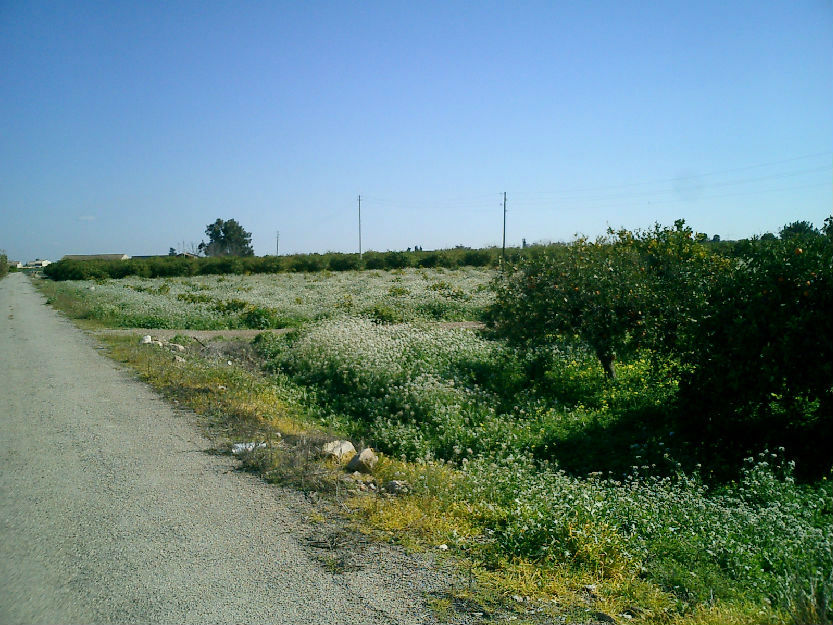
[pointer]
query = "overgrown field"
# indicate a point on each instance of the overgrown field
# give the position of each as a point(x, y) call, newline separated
point(581, 455)
point(279, 300)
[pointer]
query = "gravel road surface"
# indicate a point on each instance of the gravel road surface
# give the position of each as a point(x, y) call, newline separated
point(110, 511)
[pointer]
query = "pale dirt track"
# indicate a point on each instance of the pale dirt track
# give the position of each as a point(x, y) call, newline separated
point(111, 512)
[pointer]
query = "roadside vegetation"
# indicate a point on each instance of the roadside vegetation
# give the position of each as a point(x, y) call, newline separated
point(4, 265)
point(640, 435)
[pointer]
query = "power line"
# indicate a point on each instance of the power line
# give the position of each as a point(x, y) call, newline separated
point(479, 202)
point(680, 178)
point(637, 194)
point(625, 202)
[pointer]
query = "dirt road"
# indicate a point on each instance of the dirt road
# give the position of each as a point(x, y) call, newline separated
point(111, 512)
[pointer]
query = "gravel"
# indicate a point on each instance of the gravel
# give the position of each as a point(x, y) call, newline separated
point(111, 512)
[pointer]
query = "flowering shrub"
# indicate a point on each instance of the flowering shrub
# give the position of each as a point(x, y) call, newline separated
point(415, 388)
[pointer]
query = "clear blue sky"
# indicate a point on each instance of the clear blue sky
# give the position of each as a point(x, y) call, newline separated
point(129, 126)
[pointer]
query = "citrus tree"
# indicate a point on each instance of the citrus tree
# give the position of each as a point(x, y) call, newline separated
point(762, 371)
point(618, 293)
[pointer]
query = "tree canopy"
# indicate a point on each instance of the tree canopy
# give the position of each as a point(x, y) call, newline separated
point(616, 294)
point(227, 238)
point(798, 229)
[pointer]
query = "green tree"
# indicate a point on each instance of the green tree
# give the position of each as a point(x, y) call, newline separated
point(762, 372)
point(798, 229)
point(227, 238)
point(586, 292)
point(4, 264)
point(619, 293)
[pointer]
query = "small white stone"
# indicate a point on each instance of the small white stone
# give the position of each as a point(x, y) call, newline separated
point(146, 340)
point(338, 449)
point(239, 448)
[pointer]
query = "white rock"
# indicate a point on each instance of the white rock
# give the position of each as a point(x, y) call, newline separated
point(146, 340)
point(158, 343)
point(176, 347)
point(239, 448)
point(363, 461)
point(338, 449)
point(178, 358)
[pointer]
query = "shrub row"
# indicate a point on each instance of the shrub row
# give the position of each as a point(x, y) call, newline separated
point(172, 266)
point(4, 265)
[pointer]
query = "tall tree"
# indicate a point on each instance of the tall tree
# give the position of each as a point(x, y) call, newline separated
point(798, 229)
point(227, 238)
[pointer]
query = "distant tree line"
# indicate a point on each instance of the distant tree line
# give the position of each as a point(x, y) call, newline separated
point(170, 266)
point(220, 258)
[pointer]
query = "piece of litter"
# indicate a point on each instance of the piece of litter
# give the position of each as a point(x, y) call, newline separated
point(229, 362)
point(239, 448)
point(443, 547)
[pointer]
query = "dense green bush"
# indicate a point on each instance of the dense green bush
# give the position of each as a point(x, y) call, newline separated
point(344, 262)
point(748, 332)
point(476, 258)
point(307, 263)
point(4, 265)
point(761, 370)
point(617, 294)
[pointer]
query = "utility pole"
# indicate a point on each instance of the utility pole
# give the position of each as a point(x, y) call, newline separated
point(503, 255)
point(278, 244)
point(360, 226)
